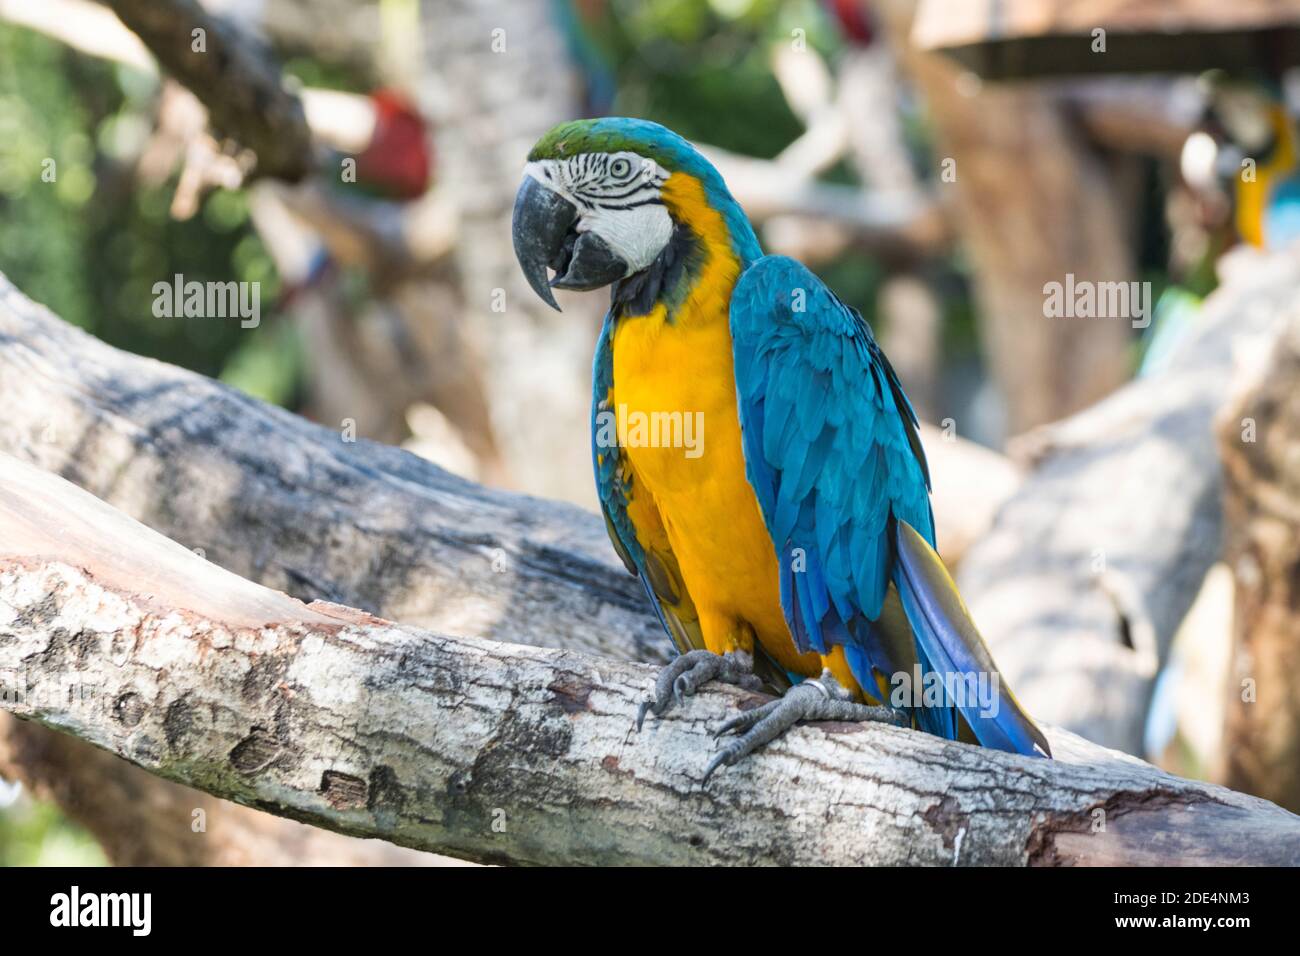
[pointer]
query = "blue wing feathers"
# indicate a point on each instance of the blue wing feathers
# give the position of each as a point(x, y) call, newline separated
point(831, 450)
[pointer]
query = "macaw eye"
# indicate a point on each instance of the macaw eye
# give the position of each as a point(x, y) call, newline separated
point(620, 168)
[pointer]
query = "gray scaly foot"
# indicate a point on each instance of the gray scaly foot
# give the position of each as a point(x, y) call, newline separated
point(684, 676)
point(820, 699)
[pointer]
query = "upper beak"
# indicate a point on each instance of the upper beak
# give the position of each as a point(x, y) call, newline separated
point(544, 234)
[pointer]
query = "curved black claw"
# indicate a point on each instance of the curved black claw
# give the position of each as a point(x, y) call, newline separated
point(820, 699)
point(682, 677)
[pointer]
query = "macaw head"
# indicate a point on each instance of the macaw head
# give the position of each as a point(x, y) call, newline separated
point(597, 203)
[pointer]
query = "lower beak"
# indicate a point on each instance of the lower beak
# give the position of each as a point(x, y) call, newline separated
point(545, 234)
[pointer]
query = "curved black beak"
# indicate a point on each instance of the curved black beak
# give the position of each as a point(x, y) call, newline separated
point(544, 233)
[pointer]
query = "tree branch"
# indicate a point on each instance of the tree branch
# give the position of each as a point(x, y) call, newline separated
point(235, 80)
point(295, 506)
point(874, 217)
point(301, 508)
point(1124, 509)
point(502, 753)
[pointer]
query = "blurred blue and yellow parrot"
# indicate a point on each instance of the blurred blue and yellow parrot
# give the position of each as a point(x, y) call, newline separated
point(1262, 130)
point(1248, 146)
point(757, 461)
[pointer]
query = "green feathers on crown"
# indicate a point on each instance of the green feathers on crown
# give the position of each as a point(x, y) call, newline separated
point(616, 134)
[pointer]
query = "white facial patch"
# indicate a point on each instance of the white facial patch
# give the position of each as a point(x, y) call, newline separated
point(618, 198)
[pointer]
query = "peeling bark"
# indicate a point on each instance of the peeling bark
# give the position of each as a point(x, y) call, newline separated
point(501, 753)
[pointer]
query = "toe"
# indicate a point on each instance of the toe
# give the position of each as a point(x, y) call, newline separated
point(688, 683)
point(726, 755)
point(746, 719)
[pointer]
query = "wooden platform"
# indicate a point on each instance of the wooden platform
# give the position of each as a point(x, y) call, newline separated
point(1010, 39)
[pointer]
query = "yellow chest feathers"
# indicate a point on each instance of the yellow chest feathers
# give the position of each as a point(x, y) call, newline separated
point(674, 385)
point(675, 395)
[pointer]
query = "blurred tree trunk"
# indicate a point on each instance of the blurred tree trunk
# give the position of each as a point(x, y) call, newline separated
point(370, 363)
point(1090, 568)
point(1034, 202)
point(337, 31)
point(499, 78)
point(1259, 439)
point(911, 314)
point(381, 364)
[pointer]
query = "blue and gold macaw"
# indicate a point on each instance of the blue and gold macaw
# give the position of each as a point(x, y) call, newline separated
point(794, 544)
point(1249, 142)
point(1259, 126)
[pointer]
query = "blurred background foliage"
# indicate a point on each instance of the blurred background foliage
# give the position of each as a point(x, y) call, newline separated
point(92, 244)
point(35, 833)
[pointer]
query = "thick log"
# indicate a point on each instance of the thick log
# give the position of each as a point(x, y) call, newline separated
point(1088, 569)
point(139, 819)
point(504, 753)
point(305, 509)
point(301, 509)
point(296, 506)
point(1259, 438)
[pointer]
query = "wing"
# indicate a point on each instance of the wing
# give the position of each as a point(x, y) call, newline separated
point(832, 452)
point(633, 521)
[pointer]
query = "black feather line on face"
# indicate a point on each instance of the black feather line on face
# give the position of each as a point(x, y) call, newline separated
point(663, 278)
point(652, 201)
point(639, 187)
point(590, 181)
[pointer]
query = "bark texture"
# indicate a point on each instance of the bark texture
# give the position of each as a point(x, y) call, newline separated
point(501, 753)
point(142, 820)
point(295, 506)
point(1259, 438)
point(301, 508)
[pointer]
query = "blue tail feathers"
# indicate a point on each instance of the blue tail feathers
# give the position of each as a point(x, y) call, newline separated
point(950, 649)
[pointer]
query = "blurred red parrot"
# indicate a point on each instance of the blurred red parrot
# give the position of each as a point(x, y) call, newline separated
point(854, 20)
point(398, 161)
